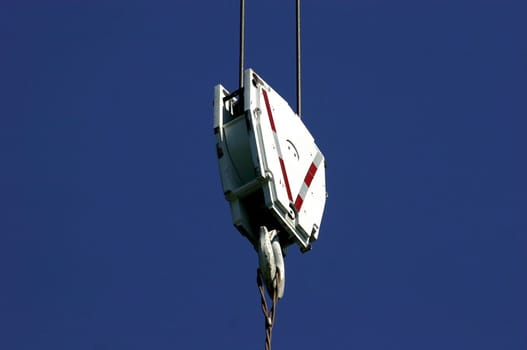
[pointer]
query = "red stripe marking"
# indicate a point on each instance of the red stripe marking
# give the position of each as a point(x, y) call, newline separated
point(298, 202)
point(307, 180)
point(284, 173)
point(268, 106)
point(310, 174)
point(282, 164)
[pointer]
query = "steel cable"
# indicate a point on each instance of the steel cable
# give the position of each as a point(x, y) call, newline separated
point(269, 314)
point(242, 39)
point(298, 71)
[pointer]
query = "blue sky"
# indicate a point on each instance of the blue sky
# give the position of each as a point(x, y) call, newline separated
point(114, 233)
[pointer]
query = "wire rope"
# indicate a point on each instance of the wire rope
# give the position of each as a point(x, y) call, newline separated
point(298, 66)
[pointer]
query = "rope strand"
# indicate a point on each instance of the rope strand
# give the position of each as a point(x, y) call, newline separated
point(268, 314)
point(298, 67)
point(242, 40)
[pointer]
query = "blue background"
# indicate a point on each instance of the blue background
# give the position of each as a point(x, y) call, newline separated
point(114, 233)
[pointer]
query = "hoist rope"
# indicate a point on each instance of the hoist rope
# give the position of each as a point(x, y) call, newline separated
point(298, 54)
point(298, 76)
point(269, 314)
point(242, 39)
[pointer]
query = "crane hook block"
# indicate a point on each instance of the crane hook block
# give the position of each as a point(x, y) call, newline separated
point(272, 172)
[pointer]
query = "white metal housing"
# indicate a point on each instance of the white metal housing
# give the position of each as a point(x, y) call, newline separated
point(272, 172)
